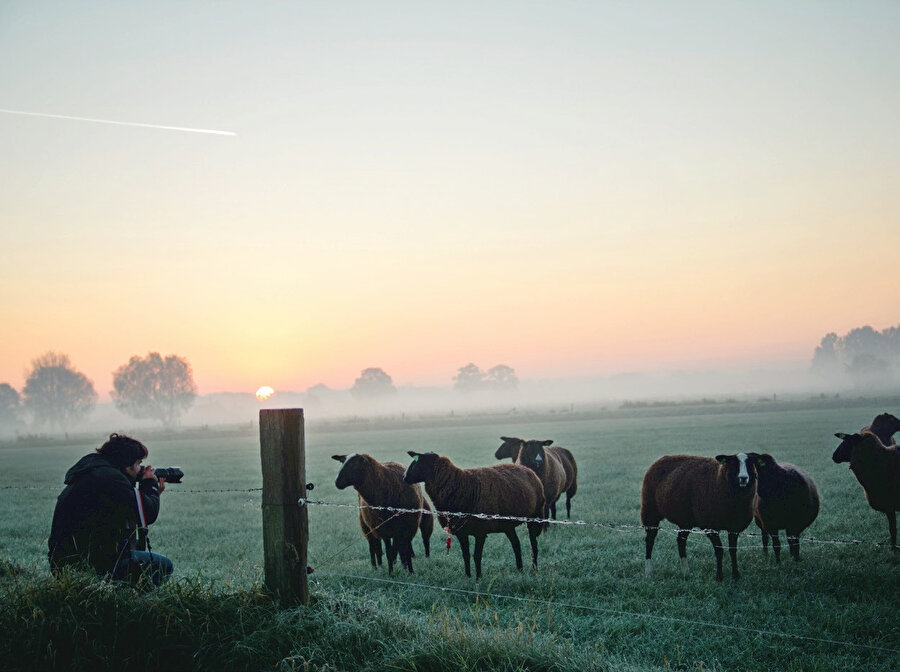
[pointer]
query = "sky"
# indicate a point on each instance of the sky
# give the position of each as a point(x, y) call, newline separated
point(572, 189)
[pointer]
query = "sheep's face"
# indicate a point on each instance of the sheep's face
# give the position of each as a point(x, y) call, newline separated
point(351, 471)
point(844, 452)
point(509, 448)
point(739, 469)
point(421, 468)
point(532, 454)
point(765, 471)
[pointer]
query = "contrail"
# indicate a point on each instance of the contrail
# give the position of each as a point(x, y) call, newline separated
point(120, 123)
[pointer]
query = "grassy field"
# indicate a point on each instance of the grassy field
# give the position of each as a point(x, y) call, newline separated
point(589, 606)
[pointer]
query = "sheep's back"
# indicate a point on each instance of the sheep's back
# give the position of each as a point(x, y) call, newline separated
point(569, 465)
point(501, 489)
point(686, 490)
point(793, 504)
point(390, 490)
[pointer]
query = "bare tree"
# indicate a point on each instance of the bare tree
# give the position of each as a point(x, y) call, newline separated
point(154, 387)
point(56, 394)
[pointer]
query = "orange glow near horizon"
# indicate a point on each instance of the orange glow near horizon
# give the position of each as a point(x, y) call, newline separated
point(665, 211)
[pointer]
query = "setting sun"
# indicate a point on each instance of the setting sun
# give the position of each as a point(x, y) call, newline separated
point(264, 392)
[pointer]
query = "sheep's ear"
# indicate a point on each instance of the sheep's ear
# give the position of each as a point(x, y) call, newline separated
point(548, 442)
point(841, 435)
point(339, 458)
point(412, 453)
point(721, 459)
point(505, 439)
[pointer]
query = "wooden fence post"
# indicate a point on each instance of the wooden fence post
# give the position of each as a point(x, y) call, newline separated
point(285, 525)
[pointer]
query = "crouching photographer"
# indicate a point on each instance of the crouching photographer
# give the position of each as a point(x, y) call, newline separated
point(100, 515)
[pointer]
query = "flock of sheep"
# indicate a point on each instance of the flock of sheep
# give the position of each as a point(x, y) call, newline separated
point(721, 493)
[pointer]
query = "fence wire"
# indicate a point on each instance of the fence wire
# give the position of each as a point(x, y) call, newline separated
point(619, 612)
point(616, 527)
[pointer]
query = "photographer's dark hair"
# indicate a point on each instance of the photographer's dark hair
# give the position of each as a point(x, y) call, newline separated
point(123, 451)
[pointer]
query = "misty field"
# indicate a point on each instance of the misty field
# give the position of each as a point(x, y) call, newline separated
point(589, 606)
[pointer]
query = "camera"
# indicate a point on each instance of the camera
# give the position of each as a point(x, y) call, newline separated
point(171, 474)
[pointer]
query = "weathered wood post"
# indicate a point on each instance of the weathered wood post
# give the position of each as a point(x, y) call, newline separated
point(285, 524)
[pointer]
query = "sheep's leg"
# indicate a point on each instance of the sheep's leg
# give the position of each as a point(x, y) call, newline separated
point(517, 547)
point(732, 551)
point(553, 510)
point(713, 536)
point(464, 547)
point(391, 550)
point(892, 527)
point(479, 549)
point(426, 542)
point(406, 554)
point(568, 505)
point(682, 550)
point(776, 546)
point(765, 538)
point(794, 544)
point(374, 551)
point(533, 532)
point(649, 540)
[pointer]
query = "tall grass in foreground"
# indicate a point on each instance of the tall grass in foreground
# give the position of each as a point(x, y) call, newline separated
point(80, 623)
point(589, 606)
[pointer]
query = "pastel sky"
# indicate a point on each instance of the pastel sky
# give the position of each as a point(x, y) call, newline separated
point(568, 188)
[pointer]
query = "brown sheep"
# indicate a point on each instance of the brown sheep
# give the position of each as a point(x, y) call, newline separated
point(884, 426)
point(549, 469)
point(510, 448)
point(877, 468)
point(502, 490)
point(381, 484)
point(786, 499)
point(690, 491)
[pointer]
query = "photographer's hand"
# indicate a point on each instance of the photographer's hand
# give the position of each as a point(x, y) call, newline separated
point(148, 472)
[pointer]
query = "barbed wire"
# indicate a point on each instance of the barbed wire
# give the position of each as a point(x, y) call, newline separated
point(616, 527)
point(619, 612)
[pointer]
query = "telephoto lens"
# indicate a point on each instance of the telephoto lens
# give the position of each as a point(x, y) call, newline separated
point(171, 474)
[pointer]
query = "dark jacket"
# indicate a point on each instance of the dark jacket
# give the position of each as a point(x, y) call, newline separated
point(96, 515)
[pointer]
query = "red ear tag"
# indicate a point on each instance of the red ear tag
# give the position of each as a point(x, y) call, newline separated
point(449, 538)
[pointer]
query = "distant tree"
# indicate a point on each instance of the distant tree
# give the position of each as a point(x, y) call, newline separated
point(863, 341)
point(502, 377)
point(154, 387)
point(867, 366)
point(56, 394)
point(10, 403)
point(373, 383)
point(826, 358)
point(469, 378)
point(863, 355)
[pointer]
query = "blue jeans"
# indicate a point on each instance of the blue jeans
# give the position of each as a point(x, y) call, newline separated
point(135, 564)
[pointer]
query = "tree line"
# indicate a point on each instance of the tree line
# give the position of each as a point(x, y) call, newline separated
point(58, 396)
point(862, 355)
